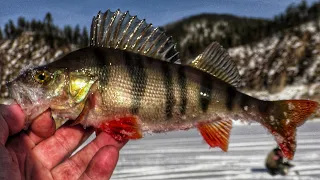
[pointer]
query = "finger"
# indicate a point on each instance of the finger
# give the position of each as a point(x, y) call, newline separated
point(77, 164)
point(14, 117)
point(60, 146)
point(102, 164)
point(12, 120)
point(42, 127)
point(4, 131)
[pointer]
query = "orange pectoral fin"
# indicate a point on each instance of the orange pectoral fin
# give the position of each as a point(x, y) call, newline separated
point(216, 133)
point(122, 128)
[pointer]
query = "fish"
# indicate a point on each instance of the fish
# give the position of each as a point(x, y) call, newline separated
point(130, 81)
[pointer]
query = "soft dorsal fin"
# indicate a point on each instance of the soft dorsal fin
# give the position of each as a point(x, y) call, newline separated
point(216, 61)
point(120, 30)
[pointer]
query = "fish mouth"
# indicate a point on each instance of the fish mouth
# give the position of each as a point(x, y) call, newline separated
point(27, 99)
point(17, 93)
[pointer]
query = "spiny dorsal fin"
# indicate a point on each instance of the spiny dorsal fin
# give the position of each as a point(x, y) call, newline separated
point(216, 61)
point(120, 30)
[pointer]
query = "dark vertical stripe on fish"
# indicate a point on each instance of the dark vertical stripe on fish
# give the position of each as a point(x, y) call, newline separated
point(205, 91)
point(244, 100)
point(230, 97)
point(264, 106)
point(136, 71)
point(101, 62)
point(248, 101)
point(182, 81)
point(167, 77)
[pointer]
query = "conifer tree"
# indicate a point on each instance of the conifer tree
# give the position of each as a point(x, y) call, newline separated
point(1, 36)
point(21, 23)
point(76, 35)
point(7, 31)
point(84, 37)
point(12, 29)
point(68, 33)
point(48, 23)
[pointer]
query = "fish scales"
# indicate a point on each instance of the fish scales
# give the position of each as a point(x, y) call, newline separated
point(142, 87)
point(134, 84)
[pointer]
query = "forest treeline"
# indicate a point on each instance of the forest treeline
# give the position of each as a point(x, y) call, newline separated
point(240, 31)
point(52, 34)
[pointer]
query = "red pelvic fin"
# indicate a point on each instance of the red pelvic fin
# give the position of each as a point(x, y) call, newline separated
point(216, 133)
point(122, 128)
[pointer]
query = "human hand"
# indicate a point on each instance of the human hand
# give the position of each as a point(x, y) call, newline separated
point(42, 152)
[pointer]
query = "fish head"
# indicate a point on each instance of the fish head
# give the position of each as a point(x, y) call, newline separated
point(38, 89)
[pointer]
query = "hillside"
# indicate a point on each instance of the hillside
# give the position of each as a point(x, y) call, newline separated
point(285, 65)
point(286, 58)
point(193, 34)
point(23, 52)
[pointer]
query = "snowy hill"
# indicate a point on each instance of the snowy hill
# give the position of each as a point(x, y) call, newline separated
point(289, 57)
point(193, 34)
point(24, 52)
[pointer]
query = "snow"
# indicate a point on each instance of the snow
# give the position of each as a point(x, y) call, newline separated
point(4, 45)
point(310, 27)
point(297, 44)
point(289, 92)
point(184, 155)
point(16, 54)
point(316, 37)
point(314, 67)
point(252, 64)
point(280, 59)
point(193, 31)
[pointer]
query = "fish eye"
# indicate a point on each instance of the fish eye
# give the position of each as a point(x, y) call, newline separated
point(42, 76)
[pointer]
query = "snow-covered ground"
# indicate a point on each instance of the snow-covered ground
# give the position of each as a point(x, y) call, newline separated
point(184, 155)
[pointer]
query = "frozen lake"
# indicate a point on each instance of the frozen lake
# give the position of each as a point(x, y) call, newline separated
point(184, 155)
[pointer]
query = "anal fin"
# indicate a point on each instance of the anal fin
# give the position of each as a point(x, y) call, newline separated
point(123, 128)
point(217, 133)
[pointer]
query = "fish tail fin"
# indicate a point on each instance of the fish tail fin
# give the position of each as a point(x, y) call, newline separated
point(284, 118)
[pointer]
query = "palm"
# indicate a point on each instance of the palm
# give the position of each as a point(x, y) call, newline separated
point(43, 153)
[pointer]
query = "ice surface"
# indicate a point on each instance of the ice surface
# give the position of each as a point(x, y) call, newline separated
point(184, 155)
